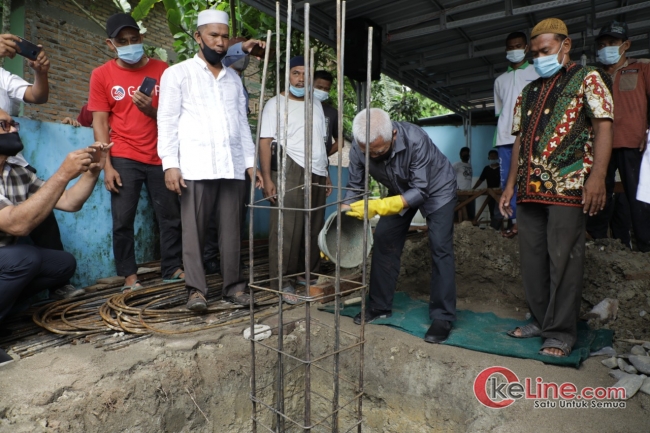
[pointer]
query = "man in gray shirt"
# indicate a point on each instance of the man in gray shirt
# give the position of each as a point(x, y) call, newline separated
point(418, 176)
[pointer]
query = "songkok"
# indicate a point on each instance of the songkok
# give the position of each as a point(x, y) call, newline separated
point(211, 16)
point(550, 25)
point(296, 61)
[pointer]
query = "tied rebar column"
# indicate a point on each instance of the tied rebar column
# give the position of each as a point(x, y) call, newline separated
point(306, 389)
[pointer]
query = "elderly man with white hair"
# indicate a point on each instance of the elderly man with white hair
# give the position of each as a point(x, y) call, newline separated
point(418, 177)
point(206, 148)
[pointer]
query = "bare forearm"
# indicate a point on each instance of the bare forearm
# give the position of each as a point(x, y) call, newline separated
point(74, 198)
point(101, 131)
point(20, 220)
point(39, 92)
point(265, 157)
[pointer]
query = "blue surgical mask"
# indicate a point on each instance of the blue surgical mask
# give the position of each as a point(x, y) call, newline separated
point(515, 56)
point(298, 92)
point(548, 66)
point(609, 55)
point(130, 54)
point(321, 95)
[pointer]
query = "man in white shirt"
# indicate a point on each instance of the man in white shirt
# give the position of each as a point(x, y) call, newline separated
point(205, 144)
point(507, 88)
point(463, 169)
point(293, 234)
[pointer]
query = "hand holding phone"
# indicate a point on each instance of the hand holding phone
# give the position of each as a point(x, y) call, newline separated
point(27, 49)
point(147, 85)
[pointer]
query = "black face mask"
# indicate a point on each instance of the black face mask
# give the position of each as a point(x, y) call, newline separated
point(384, 156)
point(10, 144)
point(211, 56)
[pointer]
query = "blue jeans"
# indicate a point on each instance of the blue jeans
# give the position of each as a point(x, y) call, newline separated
point(505, 156)
point(124, 206)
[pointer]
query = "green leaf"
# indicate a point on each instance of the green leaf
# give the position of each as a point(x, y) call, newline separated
point(142, 9)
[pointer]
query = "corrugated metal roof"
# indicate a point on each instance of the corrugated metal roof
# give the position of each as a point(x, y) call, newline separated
point(452, 50)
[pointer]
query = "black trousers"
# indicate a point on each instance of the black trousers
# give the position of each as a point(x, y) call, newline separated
point(389, 239)
point(124, 206)
point(47, 235)
point(26, 270)
point(198, 203)
point(552, 253)
point(628, 163)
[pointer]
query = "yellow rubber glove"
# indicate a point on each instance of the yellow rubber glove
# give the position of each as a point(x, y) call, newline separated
point(385, 206)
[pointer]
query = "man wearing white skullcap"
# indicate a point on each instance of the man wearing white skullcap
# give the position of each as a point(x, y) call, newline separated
point(205, 144)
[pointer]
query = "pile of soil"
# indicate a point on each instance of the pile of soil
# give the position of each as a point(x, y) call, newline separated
point(488, 277)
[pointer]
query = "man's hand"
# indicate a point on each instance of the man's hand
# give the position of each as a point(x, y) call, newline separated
point(386, 206)
point(251, 43)
point(100, 155)
point(594, 195)
point(328, 189)
point(644, 141)
point(76, 163)
point(504, 202)
point(8, 45)
point(112, 179)
point(174, 180)
point(42, 64)
point(143, 102)
point(259, 181)
point(269, 191)
point(71, 121)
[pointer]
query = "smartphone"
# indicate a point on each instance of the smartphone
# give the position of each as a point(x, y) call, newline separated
point(257, 51)
point(28, 49)
point(147, 85)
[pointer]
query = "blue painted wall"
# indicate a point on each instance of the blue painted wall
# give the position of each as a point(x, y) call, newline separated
point(86, 234)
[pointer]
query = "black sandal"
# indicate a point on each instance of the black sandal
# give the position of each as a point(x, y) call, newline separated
point(526, 331)
point(554, 343)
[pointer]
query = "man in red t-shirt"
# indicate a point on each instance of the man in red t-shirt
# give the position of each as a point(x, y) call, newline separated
point(118, 104)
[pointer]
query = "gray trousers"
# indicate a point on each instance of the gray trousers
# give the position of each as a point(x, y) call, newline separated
point(198, 202)
point(293, 233)
point(552, 252)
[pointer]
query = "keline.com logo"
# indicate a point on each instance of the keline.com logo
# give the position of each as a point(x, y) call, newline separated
point(493, 391)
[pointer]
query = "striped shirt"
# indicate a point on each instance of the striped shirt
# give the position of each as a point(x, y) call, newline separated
point(202, 123)
point(16, 186)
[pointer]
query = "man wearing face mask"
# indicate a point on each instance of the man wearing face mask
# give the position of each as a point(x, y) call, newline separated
point(507, 88)
point(119, 106)
point(322, 85)
point(563, 124)
point(294, 227)
point(418, 176)
point(25, 202)
point(206, 148)
point(631, 79)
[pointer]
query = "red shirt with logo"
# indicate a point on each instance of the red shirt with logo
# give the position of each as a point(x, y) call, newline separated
point(134, 134)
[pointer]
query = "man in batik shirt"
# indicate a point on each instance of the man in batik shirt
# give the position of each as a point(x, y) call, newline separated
point(563, 123)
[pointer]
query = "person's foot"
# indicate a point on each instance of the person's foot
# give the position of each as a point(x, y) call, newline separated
point(212, 267)
point(372, 315)
point(5, 358)
point(241, 298)
point(196, 301)
point(438, 331)
point(553, 352)
point(66, 292)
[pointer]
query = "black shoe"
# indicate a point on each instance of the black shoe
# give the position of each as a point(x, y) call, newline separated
point(196, 301)
point(438, 331)
point(372, 315)
point(212, 267)
point(241, 298)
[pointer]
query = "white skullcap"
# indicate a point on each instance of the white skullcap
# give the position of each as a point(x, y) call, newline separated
point(211, 16)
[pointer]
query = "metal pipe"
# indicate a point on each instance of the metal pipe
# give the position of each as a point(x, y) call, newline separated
point(307, 204)
point(251, 251)
point(365, 219)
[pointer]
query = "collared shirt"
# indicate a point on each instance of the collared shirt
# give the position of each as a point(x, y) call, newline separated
point(16, 186)
point(12, 91)
point(631, 99)
point(416, 170)
point(552, 117)
point(202, 123)
point(507, 88)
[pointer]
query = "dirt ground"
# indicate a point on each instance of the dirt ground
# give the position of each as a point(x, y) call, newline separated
point(201, 382)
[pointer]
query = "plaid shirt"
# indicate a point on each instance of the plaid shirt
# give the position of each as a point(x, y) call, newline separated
point(16, 186)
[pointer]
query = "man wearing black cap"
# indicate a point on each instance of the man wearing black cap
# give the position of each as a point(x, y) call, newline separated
point(293, 234)
point(631, 79)
point(118, 104)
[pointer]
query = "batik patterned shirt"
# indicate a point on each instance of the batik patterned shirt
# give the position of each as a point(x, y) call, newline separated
point(552, 117)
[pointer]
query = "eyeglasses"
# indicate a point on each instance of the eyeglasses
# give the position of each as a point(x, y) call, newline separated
point(6, 125)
